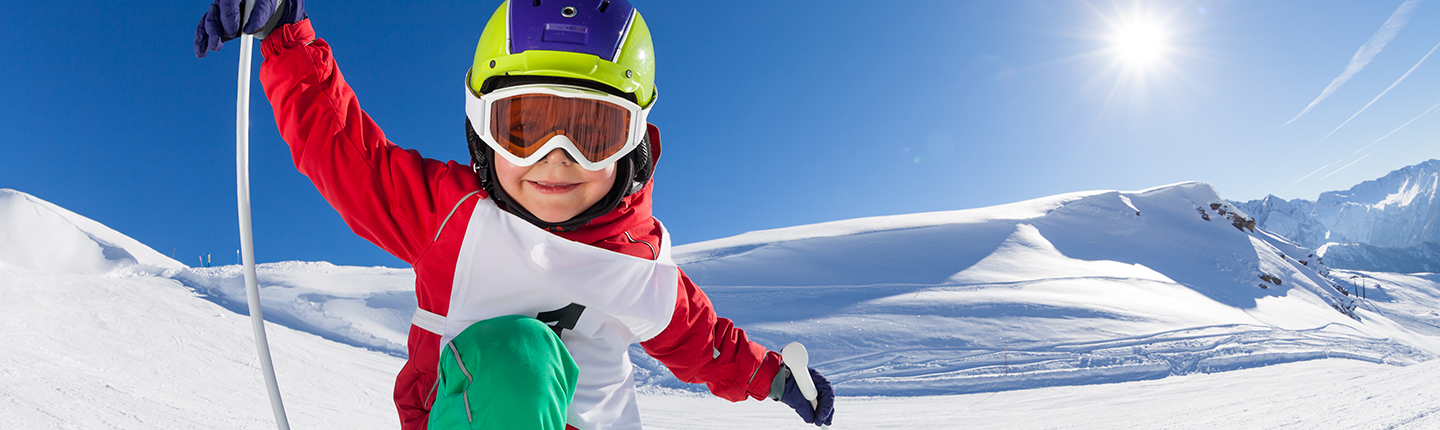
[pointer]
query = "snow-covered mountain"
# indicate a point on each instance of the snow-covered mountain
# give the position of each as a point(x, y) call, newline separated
point(1292, 219)
point(101, 332)
point(1398, 210)
point(1073, 289)
point(1170, 283)
point(1387, 217)
point(38, 235)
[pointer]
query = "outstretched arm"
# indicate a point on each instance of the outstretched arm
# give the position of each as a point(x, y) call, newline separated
point(700, 347)
point(386, 194)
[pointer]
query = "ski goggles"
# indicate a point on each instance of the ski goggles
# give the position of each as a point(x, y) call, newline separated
point(525, 123)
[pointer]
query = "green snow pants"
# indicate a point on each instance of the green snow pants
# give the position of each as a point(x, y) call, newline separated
point(507, 372)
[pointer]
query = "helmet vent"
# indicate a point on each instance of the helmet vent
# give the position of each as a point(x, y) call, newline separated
point(568, 12)
point(603, 5)
point(537, 3)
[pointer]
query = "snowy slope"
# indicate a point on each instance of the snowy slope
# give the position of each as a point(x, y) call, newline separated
point(367, 307)
point(99, 331)
point(37, 235)
point(1051, 296)
point(1075, 289)
point(1312, 395)
point(144, 352)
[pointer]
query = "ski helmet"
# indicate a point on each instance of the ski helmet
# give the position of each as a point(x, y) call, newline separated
point(601, 45)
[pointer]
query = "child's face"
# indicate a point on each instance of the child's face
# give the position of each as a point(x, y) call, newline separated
point(555, 189)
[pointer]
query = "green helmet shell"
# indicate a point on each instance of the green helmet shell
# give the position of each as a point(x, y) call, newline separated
point(632, 70)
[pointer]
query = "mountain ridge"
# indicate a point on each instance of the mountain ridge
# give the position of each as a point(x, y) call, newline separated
point(1012, 297)
point(1372, 223)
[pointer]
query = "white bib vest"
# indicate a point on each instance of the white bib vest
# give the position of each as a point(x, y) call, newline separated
point(507, 266)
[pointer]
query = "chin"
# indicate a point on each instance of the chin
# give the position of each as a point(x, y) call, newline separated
point(554, 218)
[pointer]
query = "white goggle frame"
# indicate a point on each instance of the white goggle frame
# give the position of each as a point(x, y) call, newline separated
point(478, 108)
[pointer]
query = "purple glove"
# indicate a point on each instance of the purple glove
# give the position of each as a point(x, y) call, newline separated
point(222, 22)
point(792, 397)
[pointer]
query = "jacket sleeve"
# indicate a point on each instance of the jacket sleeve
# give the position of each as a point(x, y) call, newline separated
point(386, 194)
point(700, 347)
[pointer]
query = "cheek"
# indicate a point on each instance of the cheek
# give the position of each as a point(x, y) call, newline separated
point(604, 178)
point(509, 174)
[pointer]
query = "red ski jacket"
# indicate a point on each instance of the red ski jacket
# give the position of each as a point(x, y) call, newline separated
point(409, 206)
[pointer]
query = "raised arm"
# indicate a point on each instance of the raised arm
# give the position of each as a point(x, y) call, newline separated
point(388, 195)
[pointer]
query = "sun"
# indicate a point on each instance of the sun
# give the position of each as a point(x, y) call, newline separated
point(1139, 37)
point(1140, 54)
point(1140, 43)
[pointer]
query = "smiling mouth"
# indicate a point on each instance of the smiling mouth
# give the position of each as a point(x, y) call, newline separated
point(554, 187)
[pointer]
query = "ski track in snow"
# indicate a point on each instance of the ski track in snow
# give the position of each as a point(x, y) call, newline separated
point(1318, 394)
point(364, 307)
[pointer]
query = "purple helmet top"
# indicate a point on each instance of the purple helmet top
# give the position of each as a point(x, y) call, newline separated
point(584, 26)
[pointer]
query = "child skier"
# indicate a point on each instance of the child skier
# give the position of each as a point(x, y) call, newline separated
point(539, 263)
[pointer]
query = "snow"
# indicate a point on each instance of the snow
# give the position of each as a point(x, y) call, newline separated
point(37, 235)
point(98, 352)
point(1322, 394)
point(368, 307)
point(1098, 309)
point(1399, 210)
point(1077, 289)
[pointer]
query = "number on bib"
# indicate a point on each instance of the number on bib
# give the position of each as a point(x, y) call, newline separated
point(562, 319)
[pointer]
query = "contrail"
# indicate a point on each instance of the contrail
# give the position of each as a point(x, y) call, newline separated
point(1382, 93)
point(1312, 173)
point(1357, 151)
point(1366, 53)
point(1407, 123)
point(1357, 160)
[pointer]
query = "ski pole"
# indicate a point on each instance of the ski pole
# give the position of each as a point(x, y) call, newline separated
point(797, 358)
point(247, 241)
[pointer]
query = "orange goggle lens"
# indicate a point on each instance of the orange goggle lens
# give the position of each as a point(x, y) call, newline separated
point(521, 123)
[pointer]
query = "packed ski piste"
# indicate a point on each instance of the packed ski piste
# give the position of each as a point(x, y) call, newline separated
point(538, 263)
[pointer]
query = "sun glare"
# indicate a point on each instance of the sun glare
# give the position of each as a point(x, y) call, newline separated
point(1139, 43)
point(1139, 52)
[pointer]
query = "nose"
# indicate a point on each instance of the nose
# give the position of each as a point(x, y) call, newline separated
point(558, 156)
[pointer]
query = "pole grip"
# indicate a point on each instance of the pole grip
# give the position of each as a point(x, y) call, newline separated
point(797, 358)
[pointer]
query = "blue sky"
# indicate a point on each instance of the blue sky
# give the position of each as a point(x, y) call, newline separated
point(774, 113)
